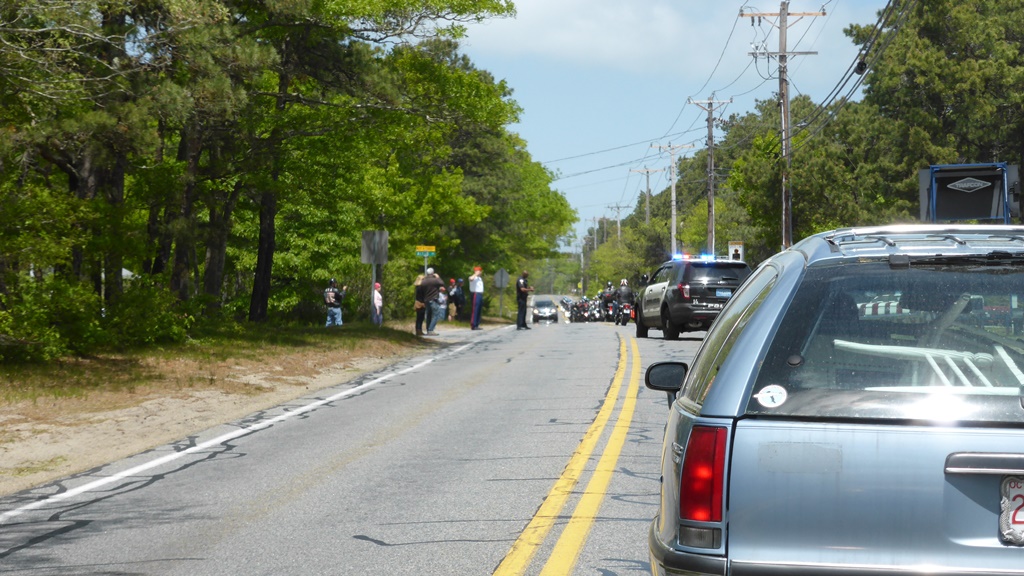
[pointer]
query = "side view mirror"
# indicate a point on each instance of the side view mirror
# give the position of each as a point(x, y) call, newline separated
point(666, 376)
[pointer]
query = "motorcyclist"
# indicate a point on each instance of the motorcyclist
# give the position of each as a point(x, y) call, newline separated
point(608, 298)
point(581, 309)
point(623, 295)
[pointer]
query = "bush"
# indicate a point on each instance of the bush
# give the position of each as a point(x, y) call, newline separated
point(48, 319)
point(146, 314)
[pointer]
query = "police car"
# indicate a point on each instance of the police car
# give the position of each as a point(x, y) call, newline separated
point(686, 294)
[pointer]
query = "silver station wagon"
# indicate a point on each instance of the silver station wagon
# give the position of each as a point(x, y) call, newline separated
point(857, 409)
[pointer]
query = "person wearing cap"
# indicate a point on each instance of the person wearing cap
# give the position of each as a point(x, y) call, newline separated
point(333, 298)
point(442, 304)
point(476, 293)
point(431, 286)
point(377, 313)
point(458, 299)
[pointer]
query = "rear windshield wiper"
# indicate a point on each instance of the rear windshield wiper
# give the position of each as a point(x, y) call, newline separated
point(994, 258)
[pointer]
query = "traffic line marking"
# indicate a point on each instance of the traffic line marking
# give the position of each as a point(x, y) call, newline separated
point(570, 543)
point(532, 537)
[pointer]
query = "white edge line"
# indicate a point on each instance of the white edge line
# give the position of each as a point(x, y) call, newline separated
point(4, 517)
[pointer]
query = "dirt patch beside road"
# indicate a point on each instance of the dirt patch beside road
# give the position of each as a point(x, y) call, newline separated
point(49, 438)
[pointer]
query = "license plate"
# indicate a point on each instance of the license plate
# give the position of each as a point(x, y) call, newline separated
point(1011, 514)
point(723, 292)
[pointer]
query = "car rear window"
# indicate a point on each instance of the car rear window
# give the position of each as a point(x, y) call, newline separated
point(940, 340)
point(714, 272)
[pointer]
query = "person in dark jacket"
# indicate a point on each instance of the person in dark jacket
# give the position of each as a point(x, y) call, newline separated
point(624, 295)
point(432, 285)
point(421, 304)
point(332, 299)
point(523, 290)
point(457, 296)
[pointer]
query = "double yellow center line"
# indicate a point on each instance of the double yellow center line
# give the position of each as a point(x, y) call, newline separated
point(567, 550)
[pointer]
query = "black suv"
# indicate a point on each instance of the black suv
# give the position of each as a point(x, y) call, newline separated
point(686, 294)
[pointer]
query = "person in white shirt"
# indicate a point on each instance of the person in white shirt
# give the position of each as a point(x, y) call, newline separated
point(377, 314)
point(476, 291)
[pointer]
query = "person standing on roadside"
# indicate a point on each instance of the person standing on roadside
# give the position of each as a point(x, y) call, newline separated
point(442, 301)
point(432, 285)
point(523, 290)
point(476, 293)
point(458, 298)
point(377, 313)
point(333, 298)
point(420, 305)
point(448, 314)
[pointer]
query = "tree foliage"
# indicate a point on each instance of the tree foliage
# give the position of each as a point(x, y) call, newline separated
point(219, 160)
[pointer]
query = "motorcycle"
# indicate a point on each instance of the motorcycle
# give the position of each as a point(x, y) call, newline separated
point(578, 312)
point(624, 315)
point(609, 312)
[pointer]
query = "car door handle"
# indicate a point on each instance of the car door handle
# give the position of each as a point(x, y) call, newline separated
point(984, 463)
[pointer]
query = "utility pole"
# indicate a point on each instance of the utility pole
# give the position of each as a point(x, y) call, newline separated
point(618, 221)
point(783, 55)
point(672, 170)
point(647, 197)
point(595, 232)
point(709, 107)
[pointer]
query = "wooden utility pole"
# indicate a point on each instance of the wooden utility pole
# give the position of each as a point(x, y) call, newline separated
point(783, 54)
point(709, 107)
point(672, 170)
point(619, 220)
point(647, 197)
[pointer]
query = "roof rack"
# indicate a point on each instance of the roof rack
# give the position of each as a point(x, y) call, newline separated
point(957, 233)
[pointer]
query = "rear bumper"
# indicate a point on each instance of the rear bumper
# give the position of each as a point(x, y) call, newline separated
point(753, 569)
point(667, 561)
point(685, 314)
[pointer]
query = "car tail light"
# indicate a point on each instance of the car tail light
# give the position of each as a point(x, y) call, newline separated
point(702, 481)
point(684, 290)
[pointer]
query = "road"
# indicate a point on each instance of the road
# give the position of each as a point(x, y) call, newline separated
point(507, 453)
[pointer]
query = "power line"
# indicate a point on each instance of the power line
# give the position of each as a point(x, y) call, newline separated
point(852, 70)
point(597, 152)
point(859, 69)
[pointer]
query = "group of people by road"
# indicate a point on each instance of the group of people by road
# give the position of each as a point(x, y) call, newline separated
point(334, 296)
point(434, 301)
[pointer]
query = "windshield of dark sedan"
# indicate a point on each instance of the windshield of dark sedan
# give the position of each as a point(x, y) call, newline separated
point(938, 340)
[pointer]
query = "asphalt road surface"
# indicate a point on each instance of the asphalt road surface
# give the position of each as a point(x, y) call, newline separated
point(507, 452)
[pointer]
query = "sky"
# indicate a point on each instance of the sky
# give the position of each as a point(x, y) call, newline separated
point(604, 83)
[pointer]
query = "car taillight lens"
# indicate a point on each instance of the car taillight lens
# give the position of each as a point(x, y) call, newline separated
point(702, 481)
point(684, 290)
